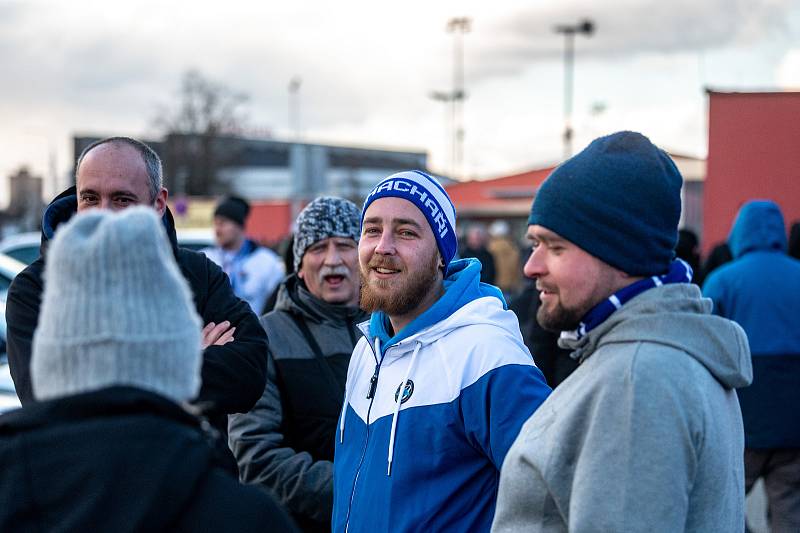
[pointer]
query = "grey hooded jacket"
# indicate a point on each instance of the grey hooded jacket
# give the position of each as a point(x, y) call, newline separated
point(285, 443)
point(646, 435)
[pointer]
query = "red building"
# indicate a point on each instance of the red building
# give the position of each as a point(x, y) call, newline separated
point(270, 221)
point(753, 153)
point(510, 197)
point(505, 197)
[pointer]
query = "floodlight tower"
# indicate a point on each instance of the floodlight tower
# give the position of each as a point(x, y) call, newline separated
point(458, 26)
point(585, 27)
point(294, 107)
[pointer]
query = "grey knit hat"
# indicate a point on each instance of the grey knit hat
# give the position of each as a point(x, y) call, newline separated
point(115, 310)
point(325, 217)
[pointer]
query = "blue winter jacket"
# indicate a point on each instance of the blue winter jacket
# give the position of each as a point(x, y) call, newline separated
point(760, 290)
point(426, 456)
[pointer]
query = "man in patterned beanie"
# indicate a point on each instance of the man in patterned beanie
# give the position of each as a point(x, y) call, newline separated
point(285, 442)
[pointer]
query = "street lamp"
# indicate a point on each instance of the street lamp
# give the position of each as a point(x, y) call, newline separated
point(446, 97)
point(294, 107)
point(585, 27)
point(458, 27)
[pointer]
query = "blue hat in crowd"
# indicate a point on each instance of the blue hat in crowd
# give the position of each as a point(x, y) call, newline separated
point(619, 200)
point(428, 195)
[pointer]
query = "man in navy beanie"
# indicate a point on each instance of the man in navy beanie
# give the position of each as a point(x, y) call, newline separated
point(647, 432)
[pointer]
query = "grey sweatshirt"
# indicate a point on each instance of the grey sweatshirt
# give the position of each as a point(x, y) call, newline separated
point(646, 435)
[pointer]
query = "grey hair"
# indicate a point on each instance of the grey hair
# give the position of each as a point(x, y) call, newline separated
point(152, 162)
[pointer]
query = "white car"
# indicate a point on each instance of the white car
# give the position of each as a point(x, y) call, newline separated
point(8, 394)
point(23, 247)
point(9, 268)
point(195, 238)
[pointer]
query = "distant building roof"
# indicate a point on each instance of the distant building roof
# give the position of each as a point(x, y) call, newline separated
point(506, 196)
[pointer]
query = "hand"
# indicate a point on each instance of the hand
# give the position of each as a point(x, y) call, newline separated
point(217, 334)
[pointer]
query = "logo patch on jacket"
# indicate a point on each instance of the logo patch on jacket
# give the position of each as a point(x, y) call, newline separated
point(407, 391)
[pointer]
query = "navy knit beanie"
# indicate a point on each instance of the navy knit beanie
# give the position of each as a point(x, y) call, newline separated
point(619, 200)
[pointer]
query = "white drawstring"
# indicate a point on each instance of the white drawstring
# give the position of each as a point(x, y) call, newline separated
point(397, 407)
point(347, 396)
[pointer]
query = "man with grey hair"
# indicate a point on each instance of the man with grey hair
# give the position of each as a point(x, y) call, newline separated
point(110, 445)
point(286, 442)
point(116, 173)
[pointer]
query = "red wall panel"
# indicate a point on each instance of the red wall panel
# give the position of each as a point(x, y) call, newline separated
point(269, 222)
point(753, 152)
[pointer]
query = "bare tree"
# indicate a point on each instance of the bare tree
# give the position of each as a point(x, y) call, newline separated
point(197, 132)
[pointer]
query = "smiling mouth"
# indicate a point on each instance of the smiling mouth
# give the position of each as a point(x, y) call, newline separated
point(545, 293)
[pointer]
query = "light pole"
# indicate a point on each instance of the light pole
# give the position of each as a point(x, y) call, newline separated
point(446, 97)
point(458, 26)
point(294, 107)
point(585, 27)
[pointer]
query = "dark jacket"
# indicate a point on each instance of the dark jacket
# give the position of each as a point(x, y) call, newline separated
point(554, 362)
point(285, 442)
point(233, 375)
point(121, 459)
point(487, 262)
point(760, 290)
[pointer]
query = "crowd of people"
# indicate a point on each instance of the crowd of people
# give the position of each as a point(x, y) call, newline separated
point(389, 385)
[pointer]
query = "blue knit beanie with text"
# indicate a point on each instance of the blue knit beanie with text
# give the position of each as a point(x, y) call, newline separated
point(428, 195)
point(619, 200)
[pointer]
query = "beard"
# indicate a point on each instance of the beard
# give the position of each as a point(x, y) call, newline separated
point(559, 318)
point(397, 297)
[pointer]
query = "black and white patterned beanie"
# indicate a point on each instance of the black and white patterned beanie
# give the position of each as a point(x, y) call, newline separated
point(325, 217)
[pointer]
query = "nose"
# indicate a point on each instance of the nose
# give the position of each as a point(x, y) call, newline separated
point(535, 266)
point(385, 244)
point(332, 255)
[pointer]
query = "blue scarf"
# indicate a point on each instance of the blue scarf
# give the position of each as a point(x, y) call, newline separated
point(679, 272)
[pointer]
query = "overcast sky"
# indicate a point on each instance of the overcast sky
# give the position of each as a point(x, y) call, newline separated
point(368, 67)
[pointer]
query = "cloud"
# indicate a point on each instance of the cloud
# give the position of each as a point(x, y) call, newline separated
point(626, 27)
point(788, 72)
point(367, 67)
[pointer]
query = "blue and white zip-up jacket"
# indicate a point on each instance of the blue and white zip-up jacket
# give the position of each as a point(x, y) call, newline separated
point(428, 458)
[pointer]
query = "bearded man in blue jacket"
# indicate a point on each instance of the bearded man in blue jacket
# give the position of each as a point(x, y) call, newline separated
point(441, 383)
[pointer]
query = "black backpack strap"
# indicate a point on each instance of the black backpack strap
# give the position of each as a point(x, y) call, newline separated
point(312, 342)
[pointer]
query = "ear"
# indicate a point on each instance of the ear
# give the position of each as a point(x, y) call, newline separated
point(160, 203)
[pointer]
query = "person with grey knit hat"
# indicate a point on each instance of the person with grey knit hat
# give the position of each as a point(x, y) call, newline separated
point(118, 173)
point(646, 434)
point(285, 443)
point(98, 327)
point(110, 445)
